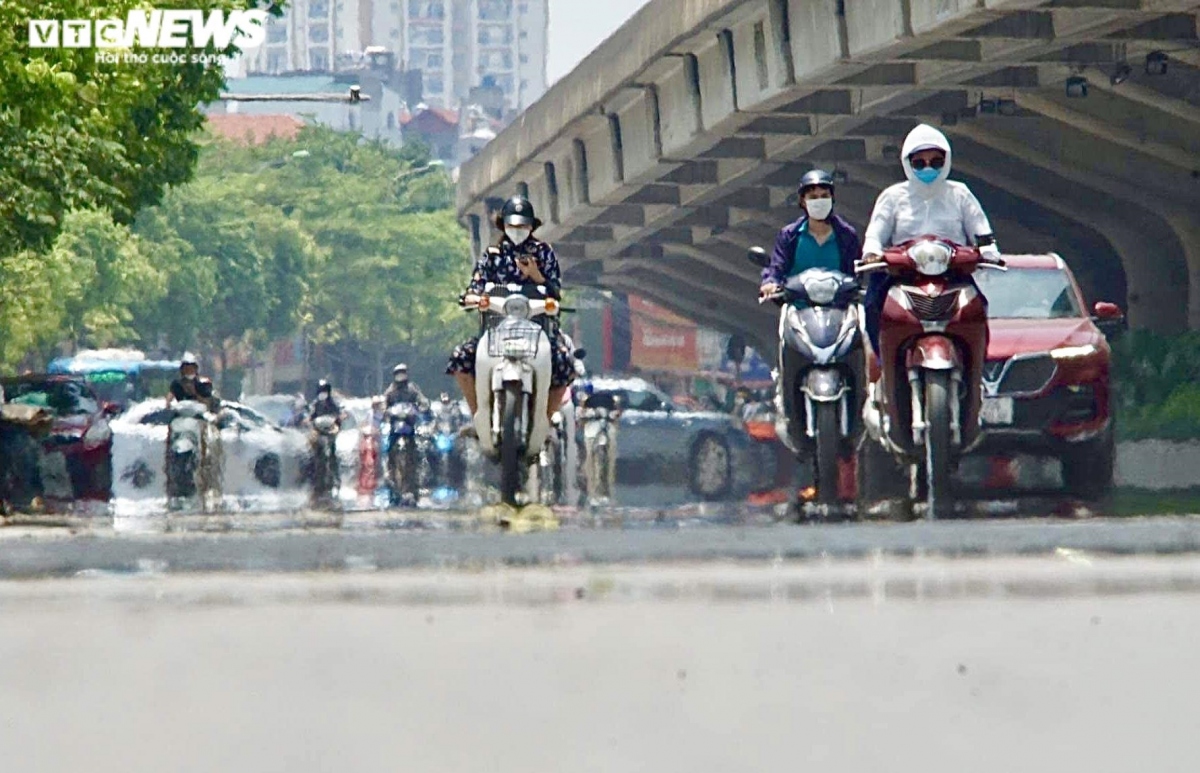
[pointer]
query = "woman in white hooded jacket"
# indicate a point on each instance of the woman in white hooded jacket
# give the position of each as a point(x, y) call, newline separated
point(929, 203)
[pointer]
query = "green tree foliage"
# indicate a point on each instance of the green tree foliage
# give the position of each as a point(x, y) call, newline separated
point(77, 135)
point(81, 134)
point(1156, 383)
point(104, 274)
point(392, 259)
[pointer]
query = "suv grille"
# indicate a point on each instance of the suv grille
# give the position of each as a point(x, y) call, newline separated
point(937, 308)
point(1024, 376)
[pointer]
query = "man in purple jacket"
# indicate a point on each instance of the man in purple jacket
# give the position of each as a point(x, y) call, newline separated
point(819, 239)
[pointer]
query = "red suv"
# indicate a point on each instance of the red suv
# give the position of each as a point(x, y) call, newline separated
point(1046, 378)
point(77, 453)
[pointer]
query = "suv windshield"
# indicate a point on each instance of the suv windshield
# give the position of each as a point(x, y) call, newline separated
point(1029, 293)
point(64, 398)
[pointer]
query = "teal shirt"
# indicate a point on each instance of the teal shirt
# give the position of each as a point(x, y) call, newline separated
point(809, 254)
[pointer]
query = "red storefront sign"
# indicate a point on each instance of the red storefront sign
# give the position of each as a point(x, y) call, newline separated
point(661, 341)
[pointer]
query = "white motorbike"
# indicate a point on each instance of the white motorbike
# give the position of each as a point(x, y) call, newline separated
point(512, 386)
point(194, 458)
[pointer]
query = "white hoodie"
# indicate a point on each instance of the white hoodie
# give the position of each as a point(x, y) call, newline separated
point(908, 210)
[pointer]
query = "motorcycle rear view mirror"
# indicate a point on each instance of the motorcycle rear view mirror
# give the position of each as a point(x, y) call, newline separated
point(1109, 318)
point(758, 256)
point(581, 354)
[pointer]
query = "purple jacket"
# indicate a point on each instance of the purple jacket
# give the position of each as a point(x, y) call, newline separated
point(785, 248)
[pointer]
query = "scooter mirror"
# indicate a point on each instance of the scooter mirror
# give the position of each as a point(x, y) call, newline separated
point(758, 256)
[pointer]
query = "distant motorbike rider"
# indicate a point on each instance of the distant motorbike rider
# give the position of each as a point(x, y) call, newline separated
point(929, 203)
point(817, 239)
point(519, 258)
point(326, 405)
point(191, 386)
point(401, 390)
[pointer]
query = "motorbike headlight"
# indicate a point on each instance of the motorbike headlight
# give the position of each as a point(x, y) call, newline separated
point(1073, 352)
point(932, 258)
point(516, 306)
point(444, 443)
point(822, 290)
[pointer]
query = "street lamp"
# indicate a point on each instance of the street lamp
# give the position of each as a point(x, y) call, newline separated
point(420, 170)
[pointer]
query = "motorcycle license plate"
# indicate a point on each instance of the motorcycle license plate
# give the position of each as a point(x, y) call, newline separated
point(997, 410)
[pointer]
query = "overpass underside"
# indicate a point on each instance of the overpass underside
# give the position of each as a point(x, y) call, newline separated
point(679, 142)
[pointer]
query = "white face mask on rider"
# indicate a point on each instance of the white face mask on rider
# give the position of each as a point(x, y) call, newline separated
point(819, 209)
point(517, 235)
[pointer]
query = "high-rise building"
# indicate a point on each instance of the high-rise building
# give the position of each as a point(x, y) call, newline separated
point(456, 44)
point(307, 37)
point(507, 47)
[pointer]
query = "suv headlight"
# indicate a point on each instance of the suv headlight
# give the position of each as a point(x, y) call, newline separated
point(1073, 352)
point(932, 258)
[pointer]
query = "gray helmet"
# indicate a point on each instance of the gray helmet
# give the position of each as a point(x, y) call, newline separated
point(814, 179)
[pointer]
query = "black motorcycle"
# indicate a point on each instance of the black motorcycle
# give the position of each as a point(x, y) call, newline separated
point(326, 475)
point(818, 386)
point(404, 456)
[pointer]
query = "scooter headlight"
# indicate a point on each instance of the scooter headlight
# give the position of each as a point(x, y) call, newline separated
point(932, 258)
point(444, 443)
point(516, 306)
point(822, 290)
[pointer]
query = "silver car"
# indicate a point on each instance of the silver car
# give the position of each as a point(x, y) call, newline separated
point(672, 453)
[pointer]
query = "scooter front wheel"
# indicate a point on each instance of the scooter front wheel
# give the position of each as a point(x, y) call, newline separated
point(511, 451)
point(828, 442)
point(939, 497)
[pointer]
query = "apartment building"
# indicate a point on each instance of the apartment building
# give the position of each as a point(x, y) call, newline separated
point(456, 44)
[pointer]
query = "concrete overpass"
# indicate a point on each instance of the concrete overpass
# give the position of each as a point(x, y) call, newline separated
point(679, 141)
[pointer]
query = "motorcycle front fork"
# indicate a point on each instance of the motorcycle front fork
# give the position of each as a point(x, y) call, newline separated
point(810, 426)
point(919, 423)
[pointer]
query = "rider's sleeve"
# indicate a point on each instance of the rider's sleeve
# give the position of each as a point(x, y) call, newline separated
point(479, 277)
point(851, 247)
point(781, 259)
point(882, 225)
point(975, 221)
point(550, 269)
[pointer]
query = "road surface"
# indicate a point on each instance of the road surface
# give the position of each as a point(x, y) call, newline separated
point(1064, 662)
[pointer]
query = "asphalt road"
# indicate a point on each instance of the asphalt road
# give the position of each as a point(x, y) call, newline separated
point(384, 541)
point(1065, 662)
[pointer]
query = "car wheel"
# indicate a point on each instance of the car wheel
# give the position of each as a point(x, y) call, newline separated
point(268, 470)
point(139, 474)
point(1087, 469)
point(711, 468)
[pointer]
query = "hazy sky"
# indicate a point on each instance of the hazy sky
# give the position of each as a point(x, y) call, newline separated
point(578, 26)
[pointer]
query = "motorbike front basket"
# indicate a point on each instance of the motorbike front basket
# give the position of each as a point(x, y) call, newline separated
point(524, 333)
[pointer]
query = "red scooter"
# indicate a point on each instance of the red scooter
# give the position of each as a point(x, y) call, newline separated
point(924, 402)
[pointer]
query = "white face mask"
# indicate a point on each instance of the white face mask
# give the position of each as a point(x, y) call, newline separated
point(819, 209)
point(517, 235)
